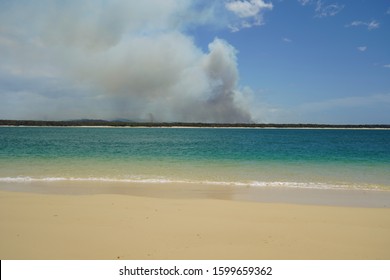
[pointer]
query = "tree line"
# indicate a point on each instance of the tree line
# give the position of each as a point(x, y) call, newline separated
point(98, 123)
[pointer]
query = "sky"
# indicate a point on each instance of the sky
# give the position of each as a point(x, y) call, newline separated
point(263, 61)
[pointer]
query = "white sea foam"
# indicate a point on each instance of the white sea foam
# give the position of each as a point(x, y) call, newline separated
point(254, 184)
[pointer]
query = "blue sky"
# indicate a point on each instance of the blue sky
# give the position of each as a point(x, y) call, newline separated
point(307, 61)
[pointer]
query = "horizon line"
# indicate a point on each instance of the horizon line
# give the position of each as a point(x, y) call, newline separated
point(129, 123)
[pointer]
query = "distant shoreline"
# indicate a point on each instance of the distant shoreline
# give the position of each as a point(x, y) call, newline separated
point(104, 123)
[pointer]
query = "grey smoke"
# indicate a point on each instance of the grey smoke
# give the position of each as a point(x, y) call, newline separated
point(116, 59)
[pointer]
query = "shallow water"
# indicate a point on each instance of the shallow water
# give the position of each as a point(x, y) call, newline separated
point(299, 158)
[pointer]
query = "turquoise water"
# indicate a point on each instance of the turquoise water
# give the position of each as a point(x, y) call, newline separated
point(317, 158)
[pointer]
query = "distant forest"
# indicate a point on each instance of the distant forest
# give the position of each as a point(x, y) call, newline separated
point(98, 123)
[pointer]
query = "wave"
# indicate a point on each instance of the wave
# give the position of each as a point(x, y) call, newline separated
point(254, 184)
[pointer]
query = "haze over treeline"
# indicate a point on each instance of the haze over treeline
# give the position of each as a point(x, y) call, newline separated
point(123, 123)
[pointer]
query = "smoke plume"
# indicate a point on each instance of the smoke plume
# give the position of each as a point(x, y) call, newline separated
point(115, 59)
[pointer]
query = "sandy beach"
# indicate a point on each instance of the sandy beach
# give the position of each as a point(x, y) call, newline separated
point(115, 226)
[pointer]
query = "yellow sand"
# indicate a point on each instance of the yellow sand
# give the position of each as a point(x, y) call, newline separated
point(35, 226)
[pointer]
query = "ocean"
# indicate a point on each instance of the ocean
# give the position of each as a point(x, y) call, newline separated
point(291, 158)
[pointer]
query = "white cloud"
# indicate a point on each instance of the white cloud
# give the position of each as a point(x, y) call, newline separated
point(370, 25)
point(246, 9)
point(373, 25)
point(287, 40)
point(362, 48)
point(386, 65)
point(324, 9)
point(250, 13)
point(304, 2)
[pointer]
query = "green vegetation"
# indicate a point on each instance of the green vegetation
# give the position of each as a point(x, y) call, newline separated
point(98, 123)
